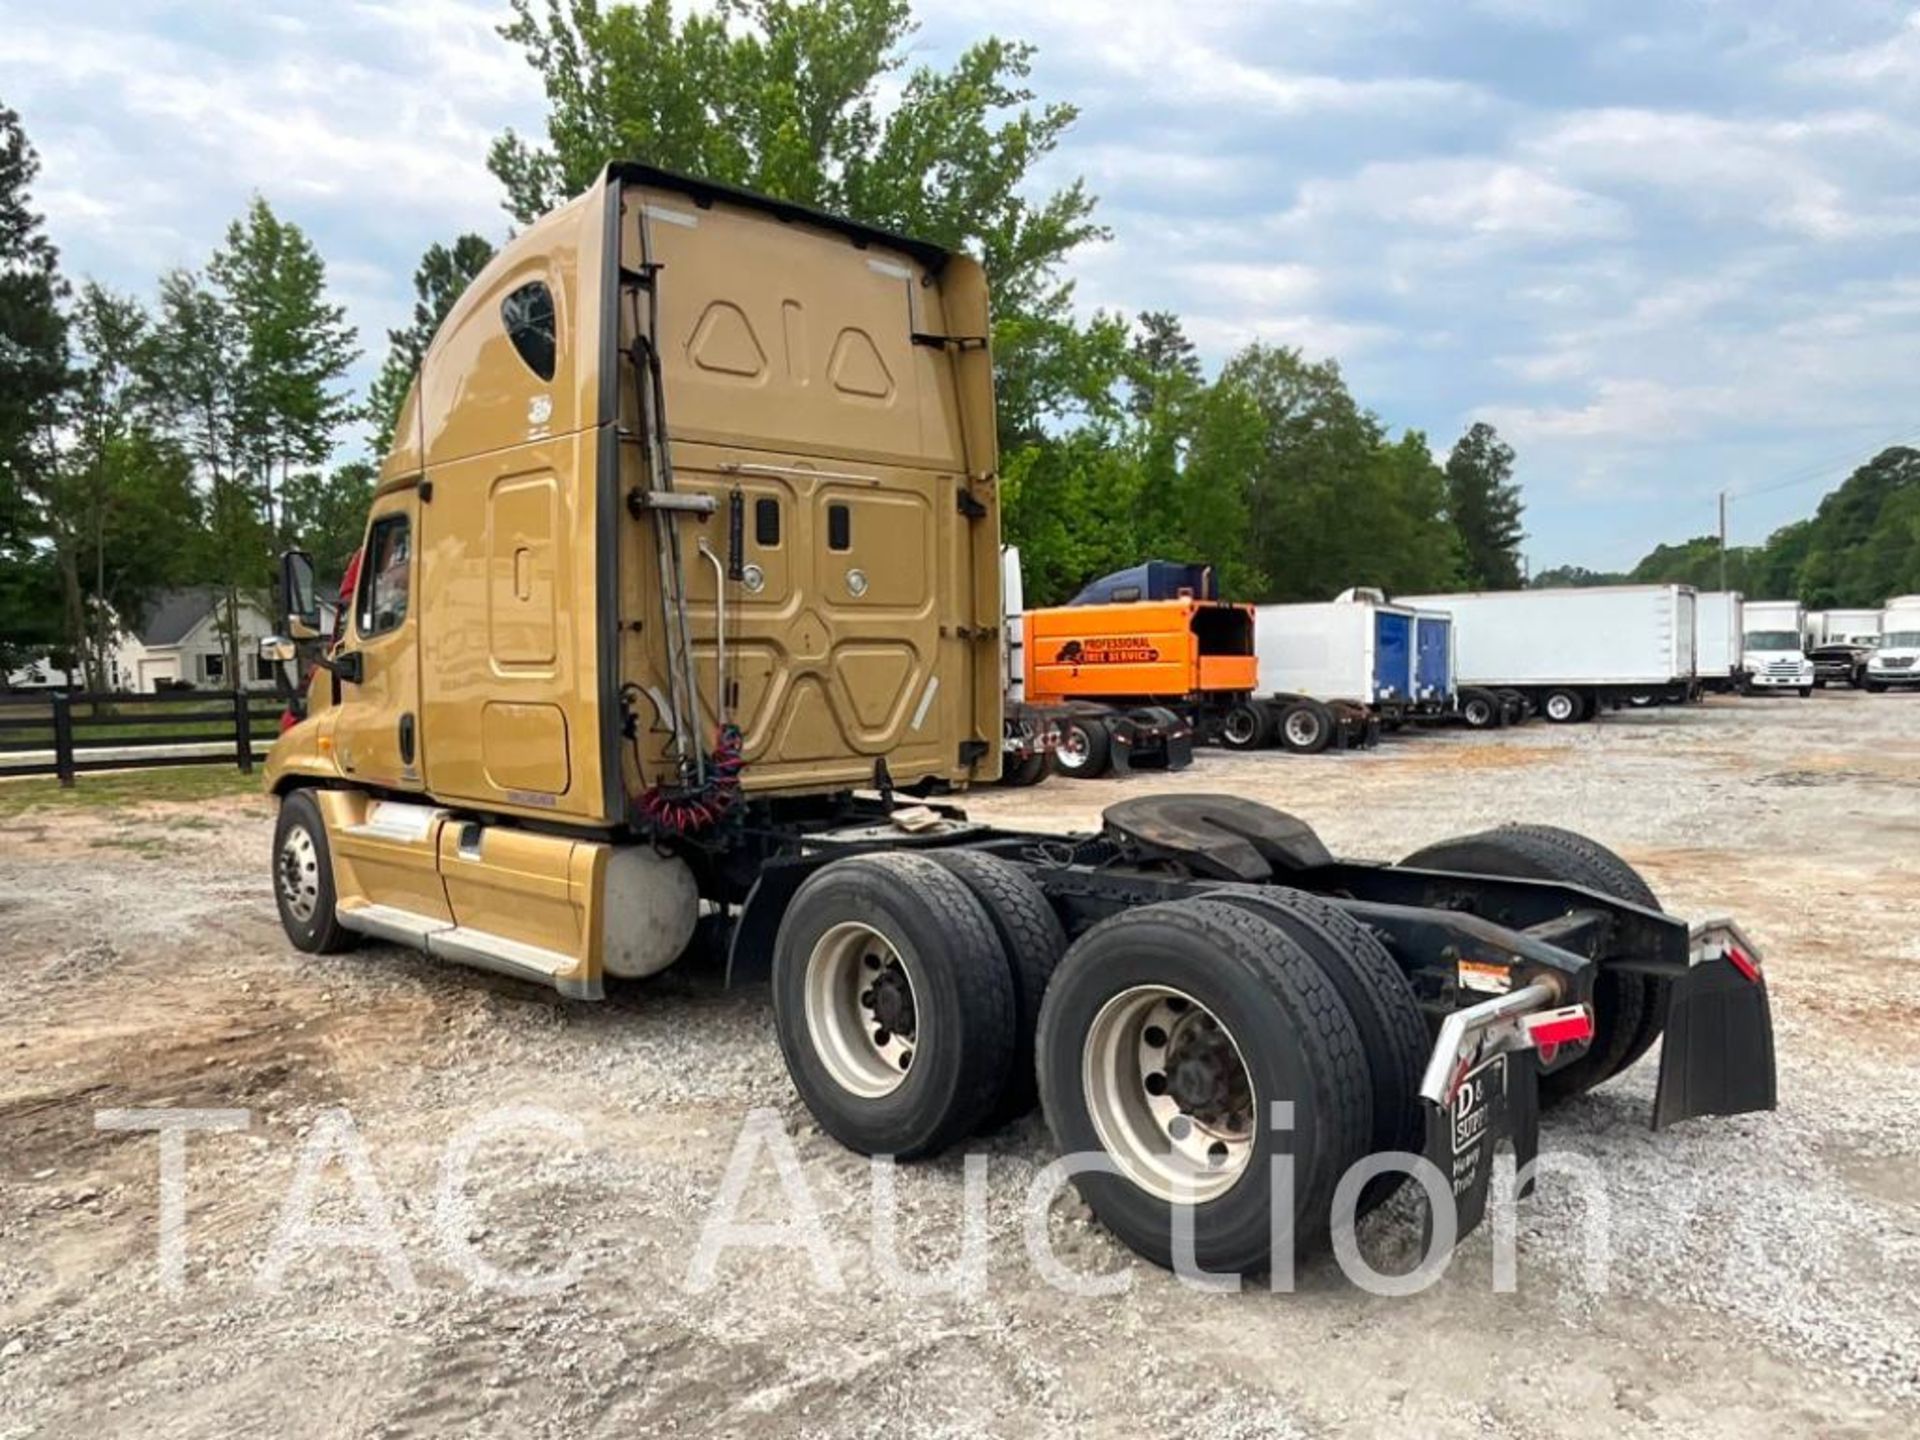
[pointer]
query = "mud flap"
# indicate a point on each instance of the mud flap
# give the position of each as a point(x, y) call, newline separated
point(1180, 749)
point(1497, 1103)
point(1717, 1057)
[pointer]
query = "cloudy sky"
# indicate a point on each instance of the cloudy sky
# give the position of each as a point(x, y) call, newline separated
point(1667, 246)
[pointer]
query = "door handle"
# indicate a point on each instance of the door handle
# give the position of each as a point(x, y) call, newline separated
point(406, 738)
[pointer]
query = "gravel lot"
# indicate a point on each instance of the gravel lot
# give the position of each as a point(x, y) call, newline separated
point(1762, 1277)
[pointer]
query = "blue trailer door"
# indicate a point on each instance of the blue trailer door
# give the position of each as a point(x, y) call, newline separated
point(1433, 645)
point(1392, 656)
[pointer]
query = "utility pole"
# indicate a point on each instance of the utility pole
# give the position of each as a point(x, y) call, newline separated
point(1723, 540)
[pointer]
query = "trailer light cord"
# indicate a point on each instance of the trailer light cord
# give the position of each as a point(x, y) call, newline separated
point(691, 809)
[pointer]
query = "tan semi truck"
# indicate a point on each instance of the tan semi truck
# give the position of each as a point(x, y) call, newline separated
point(681, 587)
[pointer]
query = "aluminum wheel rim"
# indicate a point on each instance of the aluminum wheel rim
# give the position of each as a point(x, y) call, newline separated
point(1169, 1094)
point(1240, 727)
point(1559, 707)
point(299, 871)
point(1303, 727)
point(1479, 712)
point(1072, 749)
point(862, 1015)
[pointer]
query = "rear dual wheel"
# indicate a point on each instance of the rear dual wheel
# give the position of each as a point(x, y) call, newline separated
point(1193, 1042)
point(1086, 749)
point(1565, 707)
point(1028, 770)
point(1629, 1011)
point(1480, 709)
point(1247, 726)
point(1306, 727)
point(906, 988)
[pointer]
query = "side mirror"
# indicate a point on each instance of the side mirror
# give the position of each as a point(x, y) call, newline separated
point(297, 595)
point(277, 650)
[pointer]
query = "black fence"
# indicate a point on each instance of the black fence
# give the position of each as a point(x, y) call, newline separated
point(59, 733)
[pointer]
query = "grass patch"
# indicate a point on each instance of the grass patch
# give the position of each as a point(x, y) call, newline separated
point(179, 785)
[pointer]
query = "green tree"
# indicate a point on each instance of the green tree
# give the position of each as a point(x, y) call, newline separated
point(441, 278)
point(1484, 505)
point(326, 514)
point(1315, 485)
point(33, 377)
point(196, 368)
point(293, 347)
point(786, 97)
point(119, 514)
point(1563, 577)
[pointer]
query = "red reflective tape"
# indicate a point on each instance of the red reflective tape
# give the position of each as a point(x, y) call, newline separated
point(1744, 963)
point(1563, 1032)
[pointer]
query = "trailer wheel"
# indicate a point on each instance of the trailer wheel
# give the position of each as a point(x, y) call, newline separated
point(1086, 749)
point(303, 879)
point(893, 1004)
point(1306, 727)
point(1480, 710)
point(1565, 707)
point(1381, 1001)
point(1246, 727)
point(1030, 770)
point(1629, 1011)
point(1033, 940)
point(1169, 1034)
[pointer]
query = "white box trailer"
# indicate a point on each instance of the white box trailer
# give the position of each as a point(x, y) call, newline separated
point(1773, 653)
point(1717, 631)
point(1356, 648)
point(1571, 651)
point(1845, 627)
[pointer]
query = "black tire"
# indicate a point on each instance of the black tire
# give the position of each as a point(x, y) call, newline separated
point(1248, 725)
point(1086, 749)
point(1294, 1034)
point(1629, 1011)
point(1033, 940)
point(1480, 710)
point(1806, 692)
point(1305, 727)
point(1818, 685)
point(1565, 706)
point(1381, 1001)
point(303, 877)
point(962, 992)
point(1030, 770)
point(1875, 687)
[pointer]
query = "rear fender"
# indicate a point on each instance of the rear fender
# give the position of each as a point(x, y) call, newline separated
point(750, 951)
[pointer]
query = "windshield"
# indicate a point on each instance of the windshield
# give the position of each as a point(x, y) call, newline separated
point(1901, 640)
point(1773, 640)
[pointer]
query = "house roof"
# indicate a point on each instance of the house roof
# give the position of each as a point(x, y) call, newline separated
point(173, 613)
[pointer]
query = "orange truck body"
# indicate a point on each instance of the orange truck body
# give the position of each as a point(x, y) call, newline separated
point(1149, 649)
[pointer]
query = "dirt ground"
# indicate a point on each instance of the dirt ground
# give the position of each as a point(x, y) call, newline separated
point(1760, 1278)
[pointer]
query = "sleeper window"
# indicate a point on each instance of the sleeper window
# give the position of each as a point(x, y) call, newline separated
point(528, 315)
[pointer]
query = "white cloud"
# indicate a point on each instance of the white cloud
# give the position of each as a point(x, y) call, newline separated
point(1477, 196)
point(1780, 172)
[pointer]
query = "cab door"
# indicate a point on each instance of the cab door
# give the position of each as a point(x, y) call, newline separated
point(376, 733)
